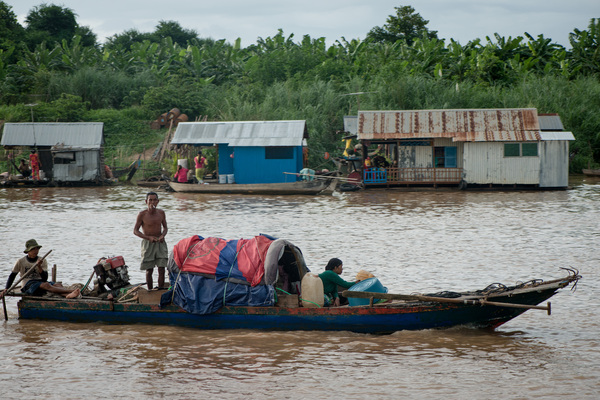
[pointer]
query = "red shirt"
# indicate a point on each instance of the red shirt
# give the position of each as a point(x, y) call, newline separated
point(181, 175)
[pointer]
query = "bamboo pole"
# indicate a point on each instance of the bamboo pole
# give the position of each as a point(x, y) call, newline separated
point(4, 307)
point(323, 177)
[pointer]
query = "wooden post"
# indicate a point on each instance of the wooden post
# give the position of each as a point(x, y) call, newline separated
point(54, 273)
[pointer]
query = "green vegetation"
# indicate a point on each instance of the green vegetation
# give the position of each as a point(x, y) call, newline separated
point(134, 77)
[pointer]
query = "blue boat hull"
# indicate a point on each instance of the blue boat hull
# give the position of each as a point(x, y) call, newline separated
point(365, 319)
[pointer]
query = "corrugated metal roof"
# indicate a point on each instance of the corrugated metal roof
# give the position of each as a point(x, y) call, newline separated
point(242, 133)
point(476, 125)
point(550, 122)
point(562, 135)
point(75, 135)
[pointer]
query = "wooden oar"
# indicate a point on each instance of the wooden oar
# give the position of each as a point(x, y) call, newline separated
point(474, 301)
point(4, 306)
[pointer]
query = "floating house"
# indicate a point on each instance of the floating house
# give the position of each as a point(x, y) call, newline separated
point(249, 151)
point(466, 148)
point(69, 152)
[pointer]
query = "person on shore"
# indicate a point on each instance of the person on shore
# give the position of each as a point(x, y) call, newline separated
point(200, 164)
point(153, 223)
point(331, 280)
point(36, 282)
point(181, 175)
point(34, 161)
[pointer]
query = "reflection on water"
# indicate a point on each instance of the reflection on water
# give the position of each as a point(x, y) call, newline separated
point(412, 241)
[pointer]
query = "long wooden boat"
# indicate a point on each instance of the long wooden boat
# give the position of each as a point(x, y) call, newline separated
point(319, 186)
point(591, 172)
point(488, 308)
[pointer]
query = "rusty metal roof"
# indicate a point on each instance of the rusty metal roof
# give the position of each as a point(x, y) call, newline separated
point(75, 135)
point(242, 133)
point(476, 125)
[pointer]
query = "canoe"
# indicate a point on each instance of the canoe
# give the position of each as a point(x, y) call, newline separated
point(488, 308)
point(318, 186)
point(591, 172)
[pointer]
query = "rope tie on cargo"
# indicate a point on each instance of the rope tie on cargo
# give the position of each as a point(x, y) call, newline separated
point(229, 274)
point(189, 250)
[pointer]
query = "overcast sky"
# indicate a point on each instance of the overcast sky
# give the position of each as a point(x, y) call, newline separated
point(462, 20)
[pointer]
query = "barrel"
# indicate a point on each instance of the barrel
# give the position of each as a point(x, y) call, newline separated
point(312, 291)
point(368, 285)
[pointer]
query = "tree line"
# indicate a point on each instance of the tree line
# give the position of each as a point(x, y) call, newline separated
point(60, 66)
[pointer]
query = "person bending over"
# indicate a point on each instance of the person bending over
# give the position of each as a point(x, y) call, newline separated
point(331, 280)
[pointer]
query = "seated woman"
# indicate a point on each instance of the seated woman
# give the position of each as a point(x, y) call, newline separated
point(331, 280)
point(24, 169)
point(181, 174)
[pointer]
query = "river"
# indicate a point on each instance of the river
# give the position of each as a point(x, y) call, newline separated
point(412, 241)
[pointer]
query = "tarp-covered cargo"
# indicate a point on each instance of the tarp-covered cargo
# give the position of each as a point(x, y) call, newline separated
point(208, 273)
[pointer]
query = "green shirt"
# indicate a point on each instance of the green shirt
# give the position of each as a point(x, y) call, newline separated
point(331, 280)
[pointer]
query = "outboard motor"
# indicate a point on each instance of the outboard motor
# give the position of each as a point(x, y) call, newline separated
point(112, 272)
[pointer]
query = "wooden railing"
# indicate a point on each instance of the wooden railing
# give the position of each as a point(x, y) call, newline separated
point(407, 176)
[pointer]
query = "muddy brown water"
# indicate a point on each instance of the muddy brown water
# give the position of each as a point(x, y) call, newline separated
point(412, 241)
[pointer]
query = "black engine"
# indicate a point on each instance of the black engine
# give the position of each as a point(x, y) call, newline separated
point(112, 272)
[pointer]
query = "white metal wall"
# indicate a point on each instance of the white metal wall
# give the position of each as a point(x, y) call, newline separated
point(85, 168)
point(554, 163)
point(484, 163)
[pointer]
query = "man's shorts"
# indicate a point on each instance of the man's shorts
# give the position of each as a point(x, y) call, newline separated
point(32, 287)
point(154, 254)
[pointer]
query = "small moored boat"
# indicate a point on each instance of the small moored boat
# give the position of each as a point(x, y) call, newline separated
point(591, 172)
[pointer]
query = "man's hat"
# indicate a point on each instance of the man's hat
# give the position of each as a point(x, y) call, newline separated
point(30, 245)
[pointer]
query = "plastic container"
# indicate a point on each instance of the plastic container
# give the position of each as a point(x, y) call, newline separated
point(222, 178)
point(230, 178)
point(368, 285)
point(312, 291)
point(183, 162)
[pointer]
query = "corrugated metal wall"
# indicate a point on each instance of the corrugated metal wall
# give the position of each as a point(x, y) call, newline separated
point(554, 161)
point(484, 163)
point(85, 168)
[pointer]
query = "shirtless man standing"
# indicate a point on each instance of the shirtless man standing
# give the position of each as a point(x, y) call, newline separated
point(153, 222)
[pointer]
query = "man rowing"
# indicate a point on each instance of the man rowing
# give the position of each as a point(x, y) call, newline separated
point(34, 275)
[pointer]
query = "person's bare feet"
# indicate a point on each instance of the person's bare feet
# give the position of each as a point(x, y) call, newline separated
point(74, 294)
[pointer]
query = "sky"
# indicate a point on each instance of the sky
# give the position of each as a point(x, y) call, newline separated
point(462, 20)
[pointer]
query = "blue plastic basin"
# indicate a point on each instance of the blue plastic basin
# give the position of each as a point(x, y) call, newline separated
point(368, 285)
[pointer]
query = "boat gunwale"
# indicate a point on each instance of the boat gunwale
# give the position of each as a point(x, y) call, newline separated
point(394, 307)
